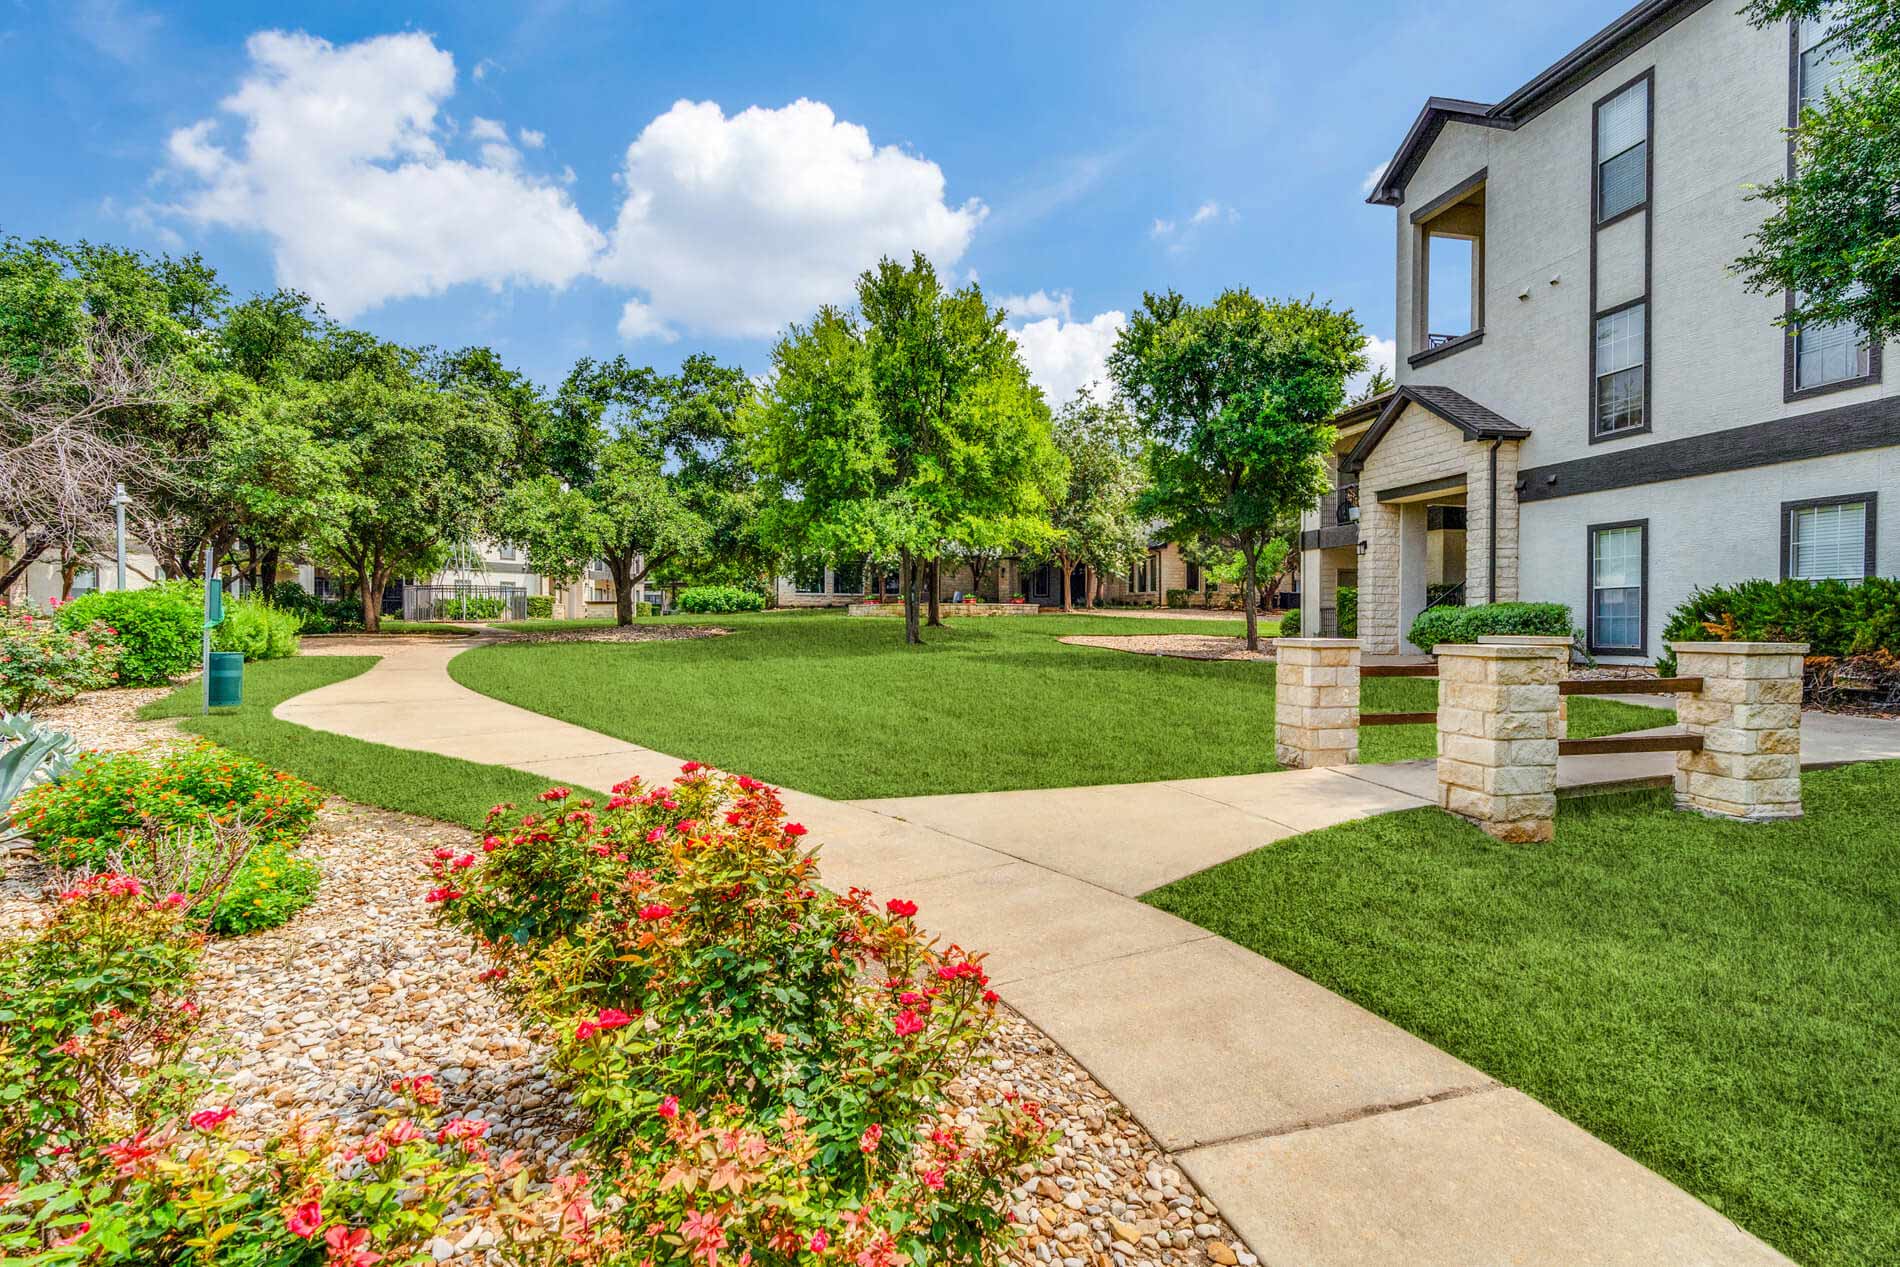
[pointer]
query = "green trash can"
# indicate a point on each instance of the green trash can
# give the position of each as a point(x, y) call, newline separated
point(227, 679)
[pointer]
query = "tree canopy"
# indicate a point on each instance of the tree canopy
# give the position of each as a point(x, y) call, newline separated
point(1235, 397)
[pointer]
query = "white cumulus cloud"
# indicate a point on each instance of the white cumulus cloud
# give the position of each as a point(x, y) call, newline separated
point(1064, 355)
point(1040, 304)
point(1371, 182)
point(338, 159)
point(736, 225)
point(1381, 354)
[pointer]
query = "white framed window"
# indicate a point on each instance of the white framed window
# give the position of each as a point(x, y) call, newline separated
point(1829, 354)
point(1622, 156)
point(1828, 538)
point(1622, 370)
point(1138, 578)
point(1619, 574)
point(505, 553)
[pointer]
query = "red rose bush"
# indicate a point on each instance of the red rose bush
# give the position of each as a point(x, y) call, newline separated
point(764, 1061)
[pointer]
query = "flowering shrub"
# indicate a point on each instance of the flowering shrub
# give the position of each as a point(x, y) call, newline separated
point(764, 1061)
point(87, 818)
point(158, 628)
point(95, 1012)
point(80, 819)
point(41, 663)
point(185, 1193)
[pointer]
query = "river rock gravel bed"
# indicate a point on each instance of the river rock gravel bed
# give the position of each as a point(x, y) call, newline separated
point(316, 1018)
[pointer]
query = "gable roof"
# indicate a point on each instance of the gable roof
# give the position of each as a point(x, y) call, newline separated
point(1462, 412)
point(1571, 71)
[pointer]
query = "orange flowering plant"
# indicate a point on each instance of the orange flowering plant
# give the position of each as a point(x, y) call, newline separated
point(764, 1061)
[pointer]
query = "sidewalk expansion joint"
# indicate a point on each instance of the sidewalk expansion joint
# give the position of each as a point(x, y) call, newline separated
point(1347, 1117)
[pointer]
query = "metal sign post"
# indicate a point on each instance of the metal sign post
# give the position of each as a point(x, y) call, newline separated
point(118, 503)
point(214, 616)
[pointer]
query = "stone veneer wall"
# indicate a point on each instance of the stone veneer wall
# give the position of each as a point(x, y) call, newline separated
point(1316, 702)
point(1497, 737)
point(1749, 716)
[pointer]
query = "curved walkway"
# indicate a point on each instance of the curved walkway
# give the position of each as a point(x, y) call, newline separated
point(1324, 1133)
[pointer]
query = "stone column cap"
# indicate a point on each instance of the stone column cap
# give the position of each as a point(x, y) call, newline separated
point(1317, 643)
point(1498, 650)
point(1741, 648)
point(1525, 640)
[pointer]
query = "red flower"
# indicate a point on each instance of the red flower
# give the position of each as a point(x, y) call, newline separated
point(908, 1023)
point(556, 794)
point(819, 1242)
point(795, 829)
point(669, 1107)
point(131, 1153)
point(686, 827)
point(901, 908)
point(992, 997)
point(376, 1152)
point(691, 766)
point(657, 911)
point(490, 843)
point(445, 853)
point(867, 1142)
point(304, 1220)
point(655, 836)
point(461, 1128)
point(612, 1018)
point(443, 894)
point(346, 1247)
point(211, 1119)
point(463, 862)
point(585, 1030)
point(933, 1179)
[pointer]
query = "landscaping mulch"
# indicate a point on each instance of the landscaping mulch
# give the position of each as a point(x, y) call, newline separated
point(317, 1017)
point(1180, 646)
point(624, 633)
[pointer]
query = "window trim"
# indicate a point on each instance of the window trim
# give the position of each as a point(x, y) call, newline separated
point(1872, 501)
point(824, 578)
point(1592, 435)
point(1648, 77)
point(1597, 434)
point(1790, 391)
point(1590, 590)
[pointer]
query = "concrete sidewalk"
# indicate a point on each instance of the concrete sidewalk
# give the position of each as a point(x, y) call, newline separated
point(1325, 1134)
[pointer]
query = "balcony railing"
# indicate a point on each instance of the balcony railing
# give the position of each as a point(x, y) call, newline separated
point(1440, 340)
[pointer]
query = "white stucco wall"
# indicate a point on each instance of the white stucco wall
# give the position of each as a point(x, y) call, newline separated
point(1713, 530)
point(1721, 101)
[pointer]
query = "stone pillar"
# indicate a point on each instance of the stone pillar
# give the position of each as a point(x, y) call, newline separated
point(1316, 702)
point(1379, 631)
point(1537, 640)
point(1497, 737)
point(1749, 716)
point(1414, 567)
point(1478, 524)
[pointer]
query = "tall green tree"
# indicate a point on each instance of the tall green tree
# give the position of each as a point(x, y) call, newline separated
point(1235, 397)
point(420, 470)
point(1096, 519)
point(905, 427)
point(1832, 233)
point(645, 473)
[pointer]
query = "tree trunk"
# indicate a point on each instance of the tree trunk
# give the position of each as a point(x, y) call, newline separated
point(932, 582)
point(907, 581)
point(29, 554)
point(1063, 568)
point(1251, 594)
point(268, 576)
point(372, 605)
point(621, 567)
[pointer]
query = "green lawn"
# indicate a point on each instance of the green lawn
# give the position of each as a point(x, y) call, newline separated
point(372, 774)
point(1720, 1001)
point(837, 705)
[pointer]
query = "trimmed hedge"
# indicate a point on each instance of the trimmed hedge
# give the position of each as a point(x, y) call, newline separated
point(1290, 624)
point(720, 599)
point(1835, 618)
point(1468, 624)
point(540, 607)
point(158, 628)
point(1348, 608)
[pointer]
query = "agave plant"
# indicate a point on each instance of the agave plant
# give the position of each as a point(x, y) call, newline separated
point(30, 753)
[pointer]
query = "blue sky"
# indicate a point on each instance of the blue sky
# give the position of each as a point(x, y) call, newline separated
point(567, 178)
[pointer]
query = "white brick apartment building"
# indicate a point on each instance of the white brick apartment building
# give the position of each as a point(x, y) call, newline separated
point(1590, 408)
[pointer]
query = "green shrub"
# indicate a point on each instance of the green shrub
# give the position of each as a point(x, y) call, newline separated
point(1468, 624)
point(540, 607)
point(258, 630)
point(712, 1005)
point(1290, 624)
point(273, 884)
point(1348, 608)
point(158, 628)
point(318, 615)
point(643, 609)
point(471, 607)
point(1837, 619)
point(1179, 598)
point(43, 663)
point(720, 599)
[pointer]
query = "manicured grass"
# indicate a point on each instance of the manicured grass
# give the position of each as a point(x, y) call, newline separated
point(555, 625)
point(837, 705)
point(372, 774)
point(1717, 1000)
